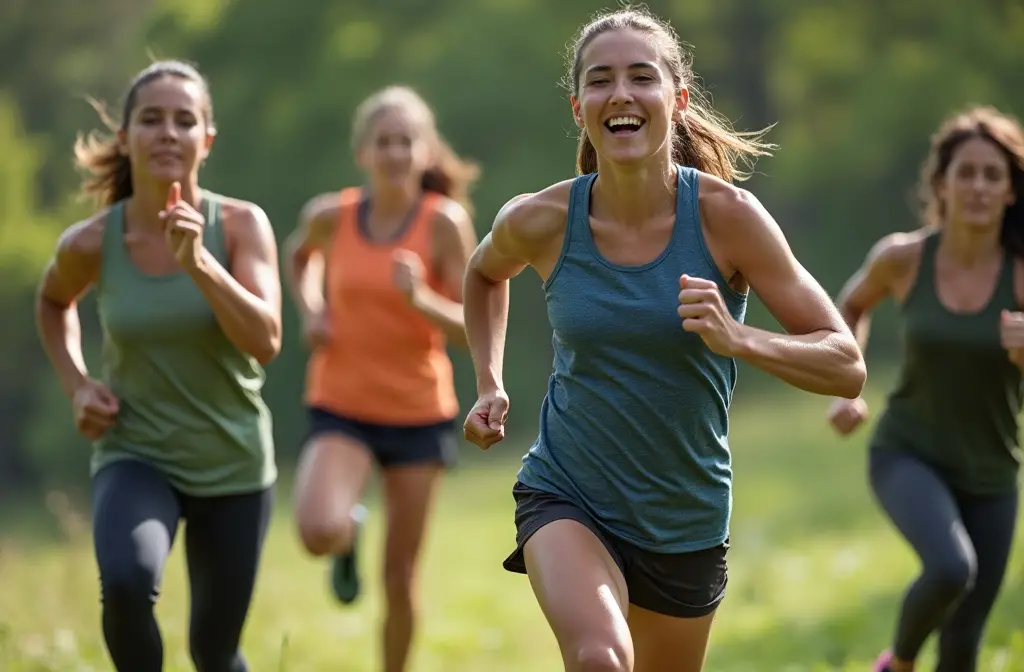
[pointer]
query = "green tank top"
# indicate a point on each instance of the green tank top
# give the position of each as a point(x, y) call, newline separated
point(190, 401)
point(958, 396)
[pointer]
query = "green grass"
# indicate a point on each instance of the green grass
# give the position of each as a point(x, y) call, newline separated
point(815, 576)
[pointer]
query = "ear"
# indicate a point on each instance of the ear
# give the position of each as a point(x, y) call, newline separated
point(122, 142)
point(682, 103)
point(575, 103)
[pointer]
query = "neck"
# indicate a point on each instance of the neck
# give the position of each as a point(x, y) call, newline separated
point(150, 198)
point(633, 195)
point(969, 245)
point(392, 200)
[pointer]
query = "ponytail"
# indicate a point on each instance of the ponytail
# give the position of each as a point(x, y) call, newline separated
point(109, 178)
point(450, 175)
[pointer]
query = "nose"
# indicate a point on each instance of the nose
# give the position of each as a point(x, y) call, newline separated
point(169, 130)
point(622, 94)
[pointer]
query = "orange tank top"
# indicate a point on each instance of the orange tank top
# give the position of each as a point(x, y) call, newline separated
point(386, 363)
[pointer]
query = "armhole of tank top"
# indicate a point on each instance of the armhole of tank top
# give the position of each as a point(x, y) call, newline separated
point(213, 212)
point(578, 191)
point(1008, 285)
point(426, 225)
point(692, 182)
point(925, 267)
point(113, 220)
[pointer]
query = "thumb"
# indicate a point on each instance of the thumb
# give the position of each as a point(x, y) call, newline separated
point(173, 194)
point(682, 281)
point(494, 415)
point(107, 397)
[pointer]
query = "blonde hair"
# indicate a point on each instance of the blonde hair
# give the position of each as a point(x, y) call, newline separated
point(448, 174)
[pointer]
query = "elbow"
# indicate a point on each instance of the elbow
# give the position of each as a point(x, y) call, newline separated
point(270, 347)
point(852, 371)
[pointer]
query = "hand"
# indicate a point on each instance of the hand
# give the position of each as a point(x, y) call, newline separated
point(183, 228)
point(485, 424)
point(408, 273)
point(95, 409)
point(1011, 335)
point(704, 313)
point(316, 329)
point(846, 415)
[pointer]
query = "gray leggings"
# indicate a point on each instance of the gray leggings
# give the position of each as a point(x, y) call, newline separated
point(135, 519)
point(963, 542)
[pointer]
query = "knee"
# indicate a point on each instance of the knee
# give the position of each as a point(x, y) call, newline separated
point(321, 537)
point(599, 656)
point(398, 581)
point(955, 576)
point(128, 586)
point(209, 656)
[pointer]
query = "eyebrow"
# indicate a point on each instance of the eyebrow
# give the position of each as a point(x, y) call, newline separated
point(632, 66)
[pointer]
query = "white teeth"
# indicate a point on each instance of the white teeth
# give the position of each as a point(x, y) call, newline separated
point(625, 121)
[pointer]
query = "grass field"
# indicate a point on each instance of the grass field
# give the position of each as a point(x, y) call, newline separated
point(816, 575)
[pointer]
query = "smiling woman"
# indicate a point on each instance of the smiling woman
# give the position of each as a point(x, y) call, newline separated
point(189, 299)
point(624, 500)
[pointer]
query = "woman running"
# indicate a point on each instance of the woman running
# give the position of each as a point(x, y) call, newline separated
point(944, 458)
point(189, 300)
point(380, 389)
point(623, 503)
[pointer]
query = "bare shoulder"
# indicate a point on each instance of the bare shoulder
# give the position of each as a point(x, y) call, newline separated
point(244, 219)
point(897, 251)
point(451, 218)
point(82, 242)
point(534, 220)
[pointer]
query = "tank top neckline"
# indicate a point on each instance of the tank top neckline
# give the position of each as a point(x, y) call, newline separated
point(120, 230)
point(1001, 290)
point(361, 215)
point(581, 222)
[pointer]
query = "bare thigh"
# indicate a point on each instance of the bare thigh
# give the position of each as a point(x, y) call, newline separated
point(668, 643)
point(583, 595)
point(329, 481)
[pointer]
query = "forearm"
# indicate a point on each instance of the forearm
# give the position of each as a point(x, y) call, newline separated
point(823, 362)
point(485, 310)
point(442, 311)
point(304, 280)
point(248, 322)
point(60, 333)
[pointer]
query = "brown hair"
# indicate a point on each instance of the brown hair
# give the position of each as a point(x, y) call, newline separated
point(110, 172)
point(1003, 131)
point(448, 173)
point(703, 139)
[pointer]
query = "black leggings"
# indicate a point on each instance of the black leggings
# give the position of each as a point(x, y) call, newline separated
point(963, 542)
point(135, 518)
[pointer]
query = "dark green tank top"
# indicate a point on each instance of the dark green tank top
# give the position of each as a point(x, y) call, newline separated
point(958, 396)
point(190, 401)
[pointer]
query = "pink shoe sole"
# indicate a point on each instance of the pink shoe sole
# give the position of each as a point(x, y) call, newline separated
point(882, 662)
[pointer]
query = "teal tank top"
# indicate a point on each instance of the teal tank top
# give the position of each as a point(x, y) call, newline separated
point(958, 397)
point(190, 401)
point(635, 422)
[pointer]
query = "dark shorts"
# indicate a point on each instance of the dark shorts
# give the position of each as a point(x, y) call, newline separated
point(683, 585)
point(392, 445)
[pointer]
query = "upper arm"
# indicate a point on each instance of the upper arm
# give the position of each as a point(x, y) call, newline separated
point(254, 253)
point(877, 275)
point(75, 263)
point(758, 250)
point(527, 231)
point(316, 225)
point(454, 241)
